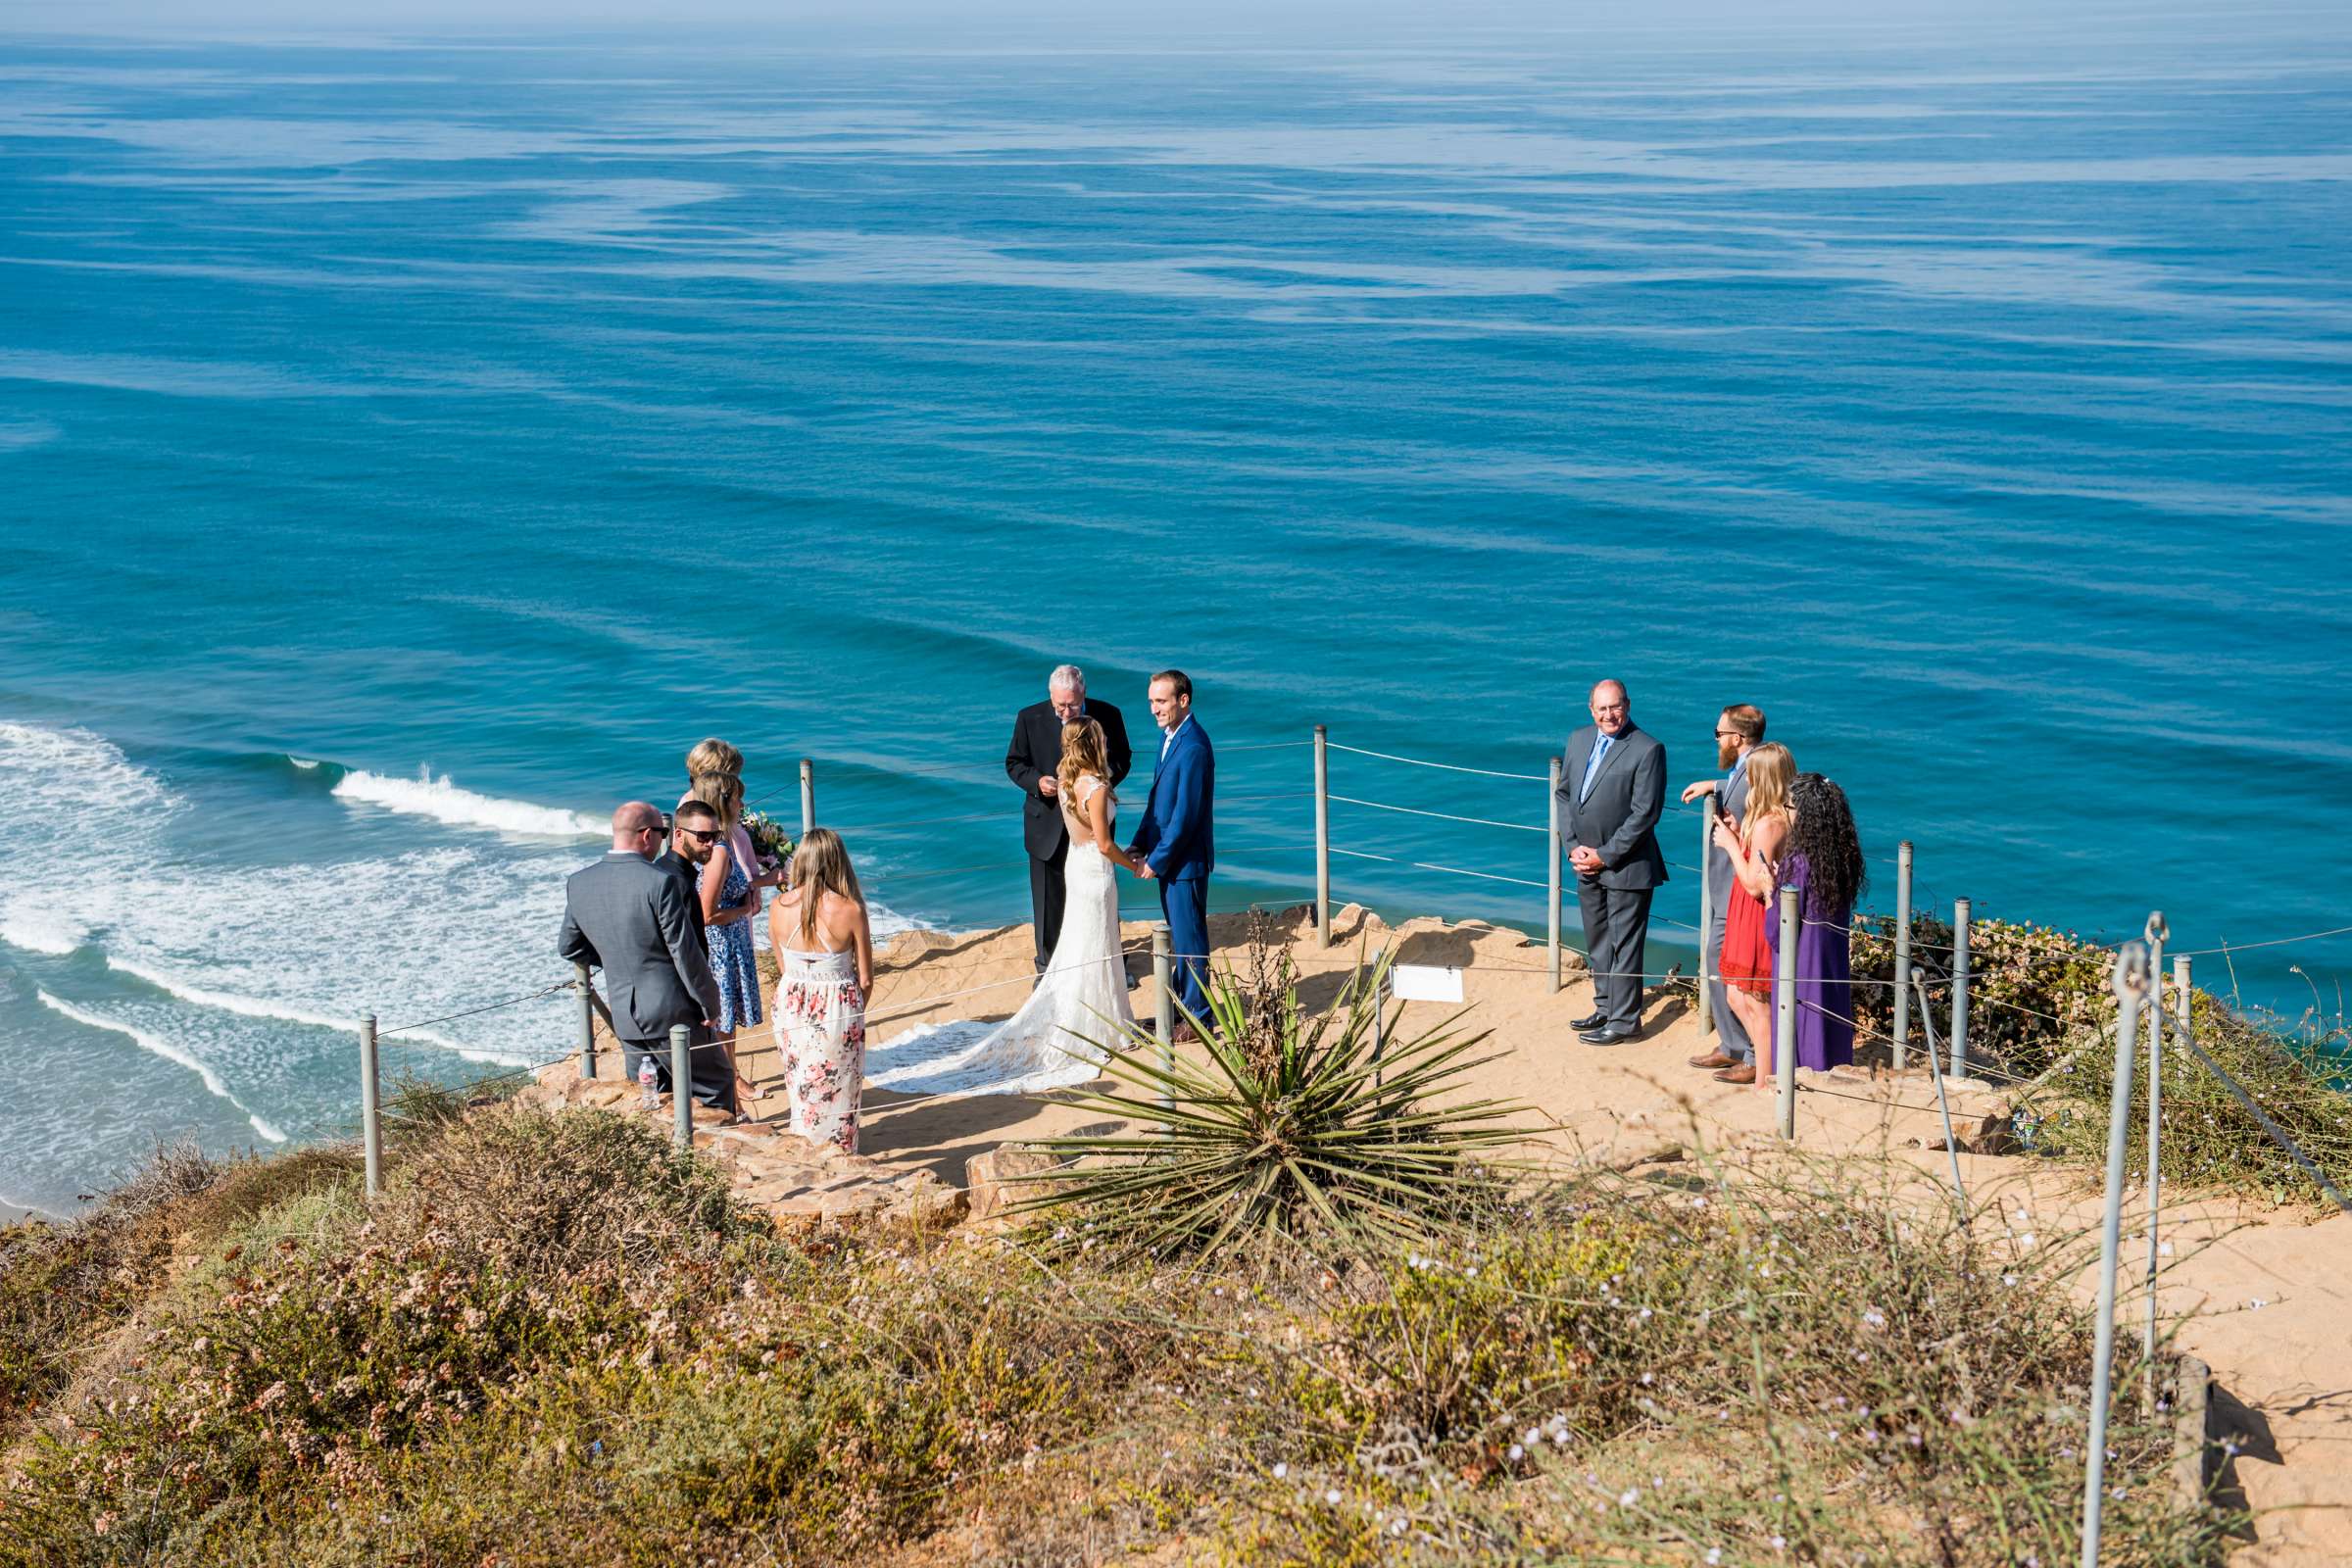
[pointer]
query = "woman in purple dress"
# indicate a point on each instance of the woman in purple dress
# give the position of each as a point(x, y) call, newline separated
point(1822, 860)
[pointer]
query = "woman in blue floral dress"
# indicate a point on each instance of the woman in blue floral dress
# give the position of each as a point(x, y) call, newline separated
point(730, 900)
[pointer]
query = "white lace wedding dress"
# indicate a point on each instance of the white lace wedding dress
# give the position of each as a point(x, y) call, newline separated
point(1056, 1039)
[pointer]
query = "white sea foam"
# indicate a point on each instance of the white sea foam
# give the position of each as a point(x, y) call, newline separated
point(156, 1045)
point(229, 1002)
point(303, 762)
point(441, 800)
point(40, 930)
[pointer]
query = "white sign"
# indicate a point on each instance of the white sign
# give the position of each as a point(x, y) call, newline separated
point(1425, 982)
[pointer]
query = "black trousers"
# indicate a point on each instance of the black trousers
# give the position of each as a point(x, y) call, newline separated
point(1047, 891)
point(1616, 934)
point(710, 1073)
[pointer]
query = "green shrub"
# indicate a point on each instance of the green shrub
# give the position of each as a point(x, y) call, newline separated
point(64, 1285)
point(1456, 1347)
point(2043, 1016)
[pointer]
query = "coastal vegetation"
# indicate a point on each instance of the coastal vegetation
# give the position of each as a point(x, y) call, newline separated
point(2042, 1016)
point(554, 1339)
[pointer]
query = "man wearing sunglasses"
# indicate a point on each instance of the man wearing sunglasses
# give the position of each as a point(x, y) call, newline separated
point(692, 834)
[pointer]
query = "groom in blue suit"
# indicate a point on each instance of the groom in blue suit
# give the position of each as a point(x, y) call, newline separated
point(1176, 842)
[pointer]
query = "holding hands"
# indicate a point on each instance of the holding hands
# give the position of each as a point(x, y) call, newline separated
point(1587, 860)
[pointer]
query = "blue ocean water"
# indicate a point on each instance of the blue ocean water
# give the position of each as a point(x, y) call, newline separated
point(410, 446)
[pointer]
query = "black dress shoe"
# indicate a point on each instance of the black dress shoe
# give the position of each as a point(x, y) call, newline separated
point(1591, 1020)
point(1609, 1034)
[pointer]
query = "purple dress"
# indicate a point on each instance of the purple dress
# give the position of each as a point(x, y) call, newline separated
point(1825, 973)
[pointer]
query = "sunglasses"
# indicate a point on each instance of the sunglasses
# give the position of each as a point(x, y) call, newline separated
point(701, 834)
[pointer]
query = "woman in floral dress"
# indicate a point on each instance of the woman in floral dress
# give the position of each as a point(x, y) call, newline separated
point(824, 953)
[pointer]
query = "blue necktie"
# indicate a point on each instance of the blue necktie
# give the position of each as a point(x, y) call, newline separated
point(1600, 751)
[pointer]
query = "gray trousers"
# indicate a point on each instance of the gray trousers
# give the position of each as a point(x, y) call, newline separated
point(1730, 1036)
point(1616, 936)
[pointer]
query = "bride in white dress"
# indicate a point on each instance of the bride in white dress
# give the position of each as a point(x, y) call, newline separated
point(1080, 1000)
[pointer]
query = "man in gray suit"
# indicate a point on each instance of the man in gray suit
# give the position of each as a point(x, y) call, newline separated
point(1612, 788)
point(1738, 731)
point(631, 919)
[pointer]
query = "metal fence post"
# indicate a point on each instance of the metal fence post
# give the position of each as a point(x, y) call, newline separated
point(1959, 988)
point(681, 1085)
point(1902, 955)
point(807, 796)
point(2157, 932)
point(371, 1107)
point(1163, 1011)
point(2130, 985)
point(2181, 991)
point(1322, 835)
point(1551, 875)
point(1783, 1023)
point(1708, 950)
point(579, 980)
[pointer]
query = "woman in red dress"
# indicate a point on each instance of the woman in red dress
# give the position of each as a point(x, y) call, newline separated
point(1753, 843)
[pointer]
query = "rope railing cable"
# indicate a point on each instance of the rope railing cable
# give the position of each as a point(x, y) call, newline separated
point(1450, 767)
point(487, 1006)
point(1444, 816)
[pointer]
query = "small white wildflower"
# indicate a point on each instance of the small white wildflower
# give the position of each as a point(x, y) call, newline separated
point(1714, 1554)
point(2165, 1249)
point(1628, 1497)
point(1875, 1318)
point(1332, 1497)
point(1779, 1543)
point(1517, 1454)
point(1281, 1470)
point(1647, 1378)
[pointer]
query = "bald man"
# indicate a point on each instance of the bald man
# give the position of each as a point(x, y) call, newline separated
point(631, 919)
point(1612, 788)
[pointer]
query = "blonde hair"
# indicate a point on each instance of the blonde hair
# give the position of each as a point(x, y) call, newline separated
point(723, 793)
point(821, 866)
point(713, 755)
point(1771, 770)
point(1081, 749)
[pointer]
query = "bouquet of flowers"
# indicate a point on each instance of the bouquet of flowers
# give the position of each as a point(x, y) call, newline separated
point(769, 840)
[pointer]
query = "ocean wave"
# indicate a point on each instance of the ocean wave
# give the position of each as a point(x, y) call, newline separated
point(38, 930)
point(155, 1044)
point(226, 1002)
point(91, 766)
point(291, 1013)
point(441, 800)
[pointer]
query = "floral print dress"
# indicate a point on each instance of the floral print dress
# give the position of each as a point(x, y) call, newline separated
point(733, 963)
point(820, 1029)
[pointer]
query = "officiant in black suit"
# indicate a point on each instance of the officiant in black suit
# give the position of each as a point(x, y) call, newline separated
point(1030, 762)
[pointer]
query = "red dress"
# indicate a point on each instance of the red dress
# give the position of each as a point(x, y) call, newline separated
point(1746, 962)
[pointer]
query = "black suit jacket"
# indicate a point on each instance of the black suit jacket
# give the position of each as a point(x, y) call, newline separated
point(1036, 752)
point(688, 876)
point(1619, 818)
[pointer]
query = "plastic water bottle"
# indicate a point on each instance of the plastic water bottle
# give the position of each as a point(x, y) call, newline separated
point(648, 1085)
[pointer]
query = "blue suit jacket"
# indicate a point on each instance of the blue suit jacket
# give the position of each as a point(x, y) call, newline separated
point(1177, 838)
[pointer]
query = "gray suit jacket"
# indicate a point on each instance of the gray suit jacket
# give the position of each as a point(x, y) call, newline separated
point(1619, 818)
point(1733, 795)
point(630, 918)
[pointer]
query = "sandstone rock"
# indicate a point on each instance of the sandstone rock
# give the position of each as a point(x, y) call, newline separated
point(992, 1180)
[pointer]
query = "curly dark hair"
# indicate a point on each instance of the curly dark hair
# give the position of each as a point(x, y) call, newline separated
point(1824, 830)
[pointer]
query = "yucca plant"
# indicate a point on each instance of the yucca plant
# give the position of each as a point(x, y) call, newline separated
point(1288, 1129)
